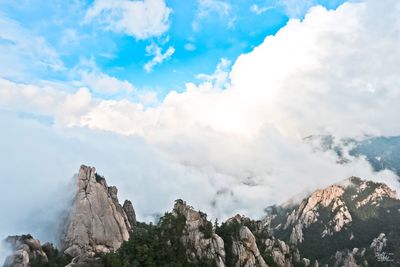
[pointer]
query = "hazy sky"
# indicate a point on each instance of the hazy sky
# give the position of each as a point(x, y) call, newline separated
point(205, 100)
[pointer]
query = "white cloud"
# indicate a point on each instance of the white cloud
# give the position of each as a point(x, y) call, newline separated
point(4, 252)
point(140, 19)
point(87, 74)
point(158, 56)
point(331, 72)
point(220, 78)
point(190, 47)
point(241, 142)
point(44, 159)
point(259, 10)
point(296, 8)
point(148, 98)
point(91, 76)
point(327, 73)
point(20, 47)
point(104, 83)
point(208, 7)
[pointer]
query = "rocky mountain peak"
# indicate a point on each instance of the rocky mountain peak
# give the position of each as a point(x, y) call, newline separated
point(368, 192)
point(96, 221)
point(308, 212)
point(199, 236)
point(130, 212)
point(323, 197)
point(333, 206)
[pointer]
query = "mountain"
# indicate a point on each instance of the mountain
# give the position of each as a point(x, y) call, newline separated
point(352, 223)
point(344, 219)
point(96, 222)
point(380, 151)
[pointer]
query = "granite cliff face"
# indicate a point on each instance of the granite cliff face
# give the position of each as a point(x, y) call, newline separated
point(198, 237)
point(243, 243)
point(308, 213)
point(332, 207)
point(246, 251)
point(340, 225)
point(96, 222)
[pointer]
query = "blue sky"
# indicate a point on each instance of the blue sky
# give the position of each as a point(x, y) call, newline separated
point(199, 33)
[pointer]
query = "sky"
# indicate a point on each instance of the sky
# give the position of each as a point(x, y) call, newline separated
point(206, 100)
point(152, 45)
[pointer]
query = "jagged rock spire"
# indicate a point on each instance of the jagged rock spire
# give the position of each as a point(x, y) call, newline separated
point(198, 244)
point(96, 221)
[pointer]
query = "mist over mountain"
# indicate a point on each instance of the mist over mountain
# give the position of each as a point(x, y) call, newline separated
point(351, 223)
point(379, 151)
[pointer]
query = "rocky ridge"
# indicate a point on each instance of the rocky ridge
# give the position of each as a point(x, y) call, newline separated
point(352, 223)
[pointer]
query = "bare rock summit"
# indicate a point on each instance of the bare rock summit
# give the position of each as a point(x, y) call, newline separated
point(96, 222)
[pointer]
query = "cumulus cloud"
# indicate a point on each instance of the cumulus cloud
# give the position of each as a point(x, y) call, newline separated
point(220, 78)
point(158, 56)
point(239, 138)
point(140, 19)
point(333, 72)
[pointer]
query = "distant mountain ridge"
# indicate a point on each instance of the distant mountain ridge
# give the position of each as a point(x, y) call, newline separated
point(380, 151)
point(352, 223)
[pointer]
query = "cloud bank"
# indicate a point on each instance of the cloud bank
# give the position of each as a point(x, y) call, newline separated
point(334, 72)
point(238, 135)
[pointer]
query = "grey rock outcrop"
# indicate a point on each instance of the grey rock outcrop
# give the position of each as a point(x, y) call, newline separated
point(308, 212)
point(244, 245)
point(96, 222)
point(130, 212)
point(25, 249)
point(246, 251)
point(198, 244)
point(283, 254)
